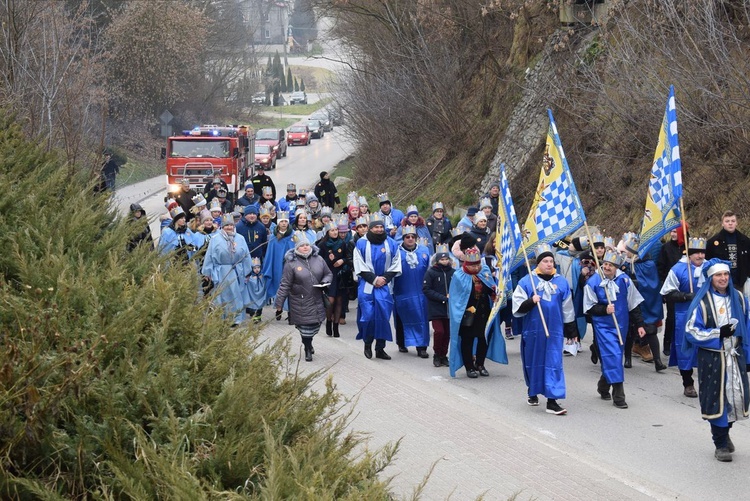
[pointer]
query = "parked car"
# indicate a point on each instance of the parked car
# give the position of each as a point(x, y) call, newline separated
point(316, 129)
point(335, 113)
point(259, 98)
point(265, 156)
point(275, 138)
point(298, 134)
point(324, 119)
point(299, 97)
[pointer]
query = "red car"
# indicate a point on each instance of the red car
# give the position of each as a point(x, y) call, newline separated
point(298, 134)
point(265, 156)
point(276, 138)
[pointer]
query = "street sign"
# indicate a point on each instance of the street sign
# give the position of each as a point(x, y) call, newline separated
point(166, 117)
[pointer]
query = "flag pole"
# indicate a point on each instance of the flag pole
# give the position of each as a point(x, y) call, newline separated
point(601, 274)
point(531, 278)
point(687, 252)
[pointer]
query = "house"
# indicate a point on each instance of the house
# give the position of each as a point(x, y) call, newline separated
point(268, 20)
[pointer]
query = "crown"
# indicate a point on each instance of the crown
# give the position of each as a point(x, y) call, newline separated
point(437, 206)
point(256, 261)
point(330, 226)
point(291, 187)
point(363, 201)
point(302, 192)
point(267, 190)
point(176, 212)
point(265, 211)
point(613, 257)
point(631, 242)
point(361, 220)
point(300, 237)
point(597, 238)
point(697, 243)
point(423, 241)
point(282, 215)
point(408, 230)
point(199, 200)
point(609, 242)
point(215, 205)
point(383, 197)
point(472, 255)
point(542, 248)
point(227, 219)
point(376, 218)
point(239, 209)
point(300, 212)
point(441, 249)
point(326, 211)
point(457, 231)
point(485, 202)
point(412, 209)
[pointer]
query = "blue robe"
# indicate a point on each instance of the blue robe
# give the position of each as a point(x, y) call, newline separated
point(227, 270)
point(422, 232)
point(461, 287)
point(375, 303)
point(256, 290)
point(411, 303)
point(677, 279)
point(610, 350)
point(273, 264)
point(647, 276)
point(542, 355)
point(170, 240)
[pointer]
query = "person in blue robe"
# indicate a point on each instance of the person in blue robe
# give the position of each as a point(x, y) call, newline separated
point(678, 291)
point(390, 215)
point(377, 261)
point(412, 326)
point(542, 350)
point(177, 238)
point(716, 333)
point(285, 203)
point(256, 291)
point(278, 244)
point(471, 297)
point(644, 274)
point(613, 302)
point(415, 220)
point(227, 263)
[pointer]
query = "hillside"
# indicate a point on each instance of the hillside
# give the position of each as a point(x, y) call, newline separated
point(607, 86)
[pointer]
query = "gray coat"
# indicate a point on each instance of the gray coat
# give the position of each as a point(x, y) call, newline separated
point(300, 274)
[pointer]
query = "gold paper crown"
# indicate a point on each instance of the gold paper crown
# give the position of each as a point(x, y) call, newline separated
point(631, 242)
point(408, 230)
point(609, 242)
point(613, 257)
point(542, 248)
point(282, 215)
point(376, 218)
point(437, 205)
point(215, 205)
point(696, 243)
point(199, 200)
point(264, 211)
point(256, 261)
point(423, 241)
point(597, 238)
point(267, 190)
point(326, 211)
point(291, 187)
point(472, 255)
point(300, 237)
point(457, 231)
point(363, 201)
point(441, 249)
point(412, 208)
point(361, 220)
point(383, 197)
point(330, 225)
point(227, 219)
point(485, 202)
point(176, 212)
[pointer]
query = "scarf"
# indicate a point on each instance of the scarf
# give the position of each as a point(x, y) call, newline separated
point(303, 254)
point(375, 238)
point(545, 286)
point(411, 257)
point(229, 240)
point(611, 288)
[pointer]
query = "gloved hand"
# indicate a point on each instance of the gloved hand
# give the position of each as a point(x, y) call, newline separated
point(726, 331)
point(278, 314)
point(687, 296)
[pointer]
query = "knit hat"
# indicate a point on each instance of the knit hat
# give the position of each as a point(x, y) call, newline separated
point(472, 211)
point(204, 214)
point(251, 209)
point(249, 184)
point(716, 268)
point(543, 250)
point(375, 220)
point(480, 216)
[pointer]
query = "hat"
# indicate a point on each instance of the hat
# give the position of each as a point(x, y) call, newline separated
point(199, 200)
point(227, 219)
point(613, 257)
point(408, 230)
point(251, 209)
point(423, 241)
point(631, 242)
point(264, 211)
point(351, 198)
point(302, 192)
point(291, 187)
point(185, 182)
point(472, 255)
point(485, 202)
point(363, 220)
point(472, 211)
point(597, 239)
point(437, 206)
point(441, 251)
point(383, 198)
point(239, 209)
point(249, 184)
point(457, 231)
point(363, 201)
point(326, 211)
point(342, 222)
point(203, 215)
point(310, 197)
point(221, 193)
point(480, 216)
point(543, 250)
point(136, 207)
point(215, 206)
point(267, 190)
point(412, 209)
point(177, 212)
point(696, 244)
point(323, 174)
point(375, 220)
point(300, 212)
point(717, 267)
point(282, 215)
point(330, 226)
point(609, 242)
point(255, 261)
point(217, 180)
point(580, 243)
point(300, 238)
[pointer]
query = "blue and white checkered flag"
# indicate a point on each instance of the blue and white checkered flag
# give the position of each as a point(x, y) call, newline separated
point(662, 213)
point(508, 235)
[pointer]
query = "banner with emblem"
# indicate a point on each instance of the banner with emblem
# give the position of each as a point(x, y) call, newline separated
point(556, 210)
point(507, 245)
point(662, 213)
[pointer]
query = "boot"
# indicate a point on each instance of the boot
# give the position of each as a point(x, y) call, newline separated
point(307, 343)
point(336, 330)
point(602, 387)
point(594, 353)
point(437, 361)
point(308, 354)
point(329, 327)
point(628, 361)
point(618, 396)
point(653, 344)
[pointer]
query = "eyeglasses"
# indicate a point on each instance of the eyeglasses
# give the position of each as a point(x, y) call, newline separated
point(409, 236)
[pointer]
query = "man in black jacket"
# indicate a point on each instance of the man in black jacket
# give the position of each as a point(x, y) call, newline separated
point(731, 245)
point(326, 191)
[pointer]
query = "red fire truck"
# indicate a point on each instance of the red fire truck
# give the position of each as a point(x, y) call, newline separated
point(211, 151)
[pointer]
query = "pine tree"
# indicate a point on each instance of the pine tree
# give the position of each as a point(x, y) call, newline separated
point(296, 84)
point(289, 84)
point(302, 84)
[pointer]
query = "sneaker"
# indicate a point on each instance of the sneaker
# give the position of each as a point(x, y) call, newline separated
point(554, 408)
point(533, 401)
point(690, 392)
point(509, 333)
point(723, 455)
point(403, 349)
point(620, 405)
point(471, 373)
point(730, 445)
point(422, 353)
point(605, 395)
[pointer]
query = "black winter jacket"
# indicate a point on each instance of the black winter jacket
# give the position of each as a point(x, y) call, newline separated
point(435, 286)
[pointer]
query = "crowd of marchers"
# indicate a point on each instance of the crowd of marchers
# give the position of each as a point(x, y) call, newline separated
point(309, 254)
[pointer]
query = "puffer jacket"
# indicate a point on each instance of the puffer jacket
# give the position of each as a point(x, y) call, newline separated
point(435, 286)
point(300, 274)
